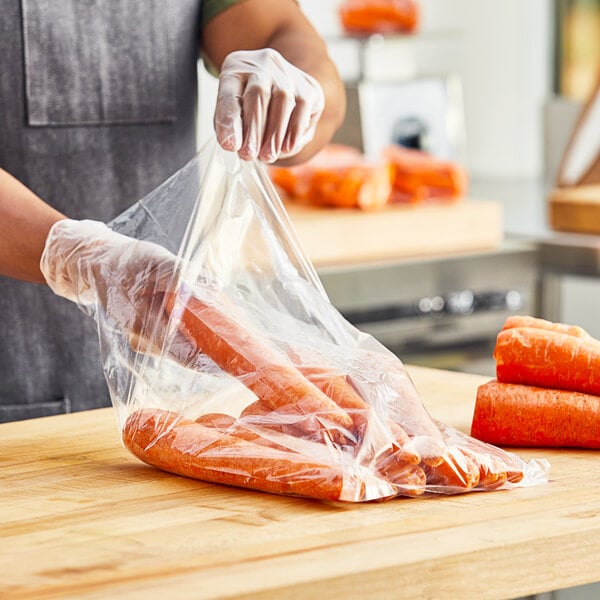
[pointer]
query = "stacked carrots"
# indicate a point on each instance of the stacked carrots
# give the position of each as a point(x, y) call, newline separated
point(312, 430)
point(379, 16)
point(547, 387)
point(340, 176)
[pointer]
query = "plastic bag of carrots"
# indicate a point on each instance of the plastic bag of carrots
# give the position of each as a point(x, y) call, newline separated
point(252, 378)
point(365, 17)
point(340, 176)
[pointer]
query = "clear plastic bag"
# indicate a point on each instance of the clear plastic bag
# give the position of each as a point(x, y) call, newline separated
point(254, 379)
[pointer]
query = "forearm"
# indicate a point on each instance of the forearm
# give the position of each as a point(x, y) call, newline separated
point(25, 220)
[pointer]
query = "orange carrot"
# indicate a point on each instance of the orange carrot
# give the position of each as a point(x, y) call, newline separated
point(408, 479)
point(418, 176)
point(391, 463)
point(496, 466)
point(337, 176)
point(243, 354)
point(284, 420)
point(379, 16)
point(334, 385)
point(527, 321)
point(458, 471)
point(549, 359)
point(178, 445)
point(521, 415)
point(259, 431)
point(339, 388)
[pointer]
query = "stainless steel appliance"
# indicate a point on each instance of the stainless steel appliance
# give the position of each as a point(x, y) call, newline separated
point(443, 311)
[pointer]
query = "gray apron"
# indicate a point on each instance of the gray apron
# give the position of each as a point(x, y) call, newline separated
point(97, 107)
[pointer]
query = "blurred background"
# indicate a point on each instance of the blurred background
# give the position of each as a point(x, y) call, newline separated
point(496, 87)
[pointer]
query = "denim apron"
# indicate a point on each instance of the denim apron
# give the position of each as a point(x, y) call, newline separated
point(97, 107)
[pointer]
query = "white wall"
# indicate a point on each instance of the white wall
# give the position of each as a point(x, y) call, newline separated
point(505, 64)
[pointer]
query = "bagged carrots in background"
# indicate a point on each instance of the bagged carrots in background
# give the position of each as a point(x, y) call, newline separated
point(342, 177)
point(366, 17)
point(249, 376)
point(337, 176)
point(547, 391)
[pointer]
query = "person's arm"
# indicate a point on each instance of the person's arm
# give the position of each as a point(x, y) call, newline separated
point(280, 24)
point(25, 220)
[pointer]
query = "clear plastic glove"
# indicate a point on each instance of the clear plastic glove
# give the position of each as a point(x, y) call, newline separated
point(124, 278)
point(266, 107)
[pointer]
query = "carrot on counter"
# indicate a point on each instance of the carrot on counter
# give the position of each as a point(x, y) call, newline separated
point(523, 415)
point(545, 358)
point(269, 375)
point(528, 321)
point(170, 442)
point(418, 176)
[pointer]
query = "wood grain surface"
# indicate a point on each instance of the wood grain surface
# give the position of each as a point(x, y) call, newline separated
point(81, 518)
point(342, 236)
point(575, 209)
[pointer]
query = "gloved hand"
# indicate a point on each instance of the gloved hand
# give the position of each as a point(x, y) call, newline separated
point(115, 277)
point(266, 107)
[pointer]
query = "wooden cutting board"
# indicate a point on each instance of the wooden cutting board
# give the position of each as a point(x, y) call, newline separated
point(82, 518)
point(343, 236)
point(575, 209)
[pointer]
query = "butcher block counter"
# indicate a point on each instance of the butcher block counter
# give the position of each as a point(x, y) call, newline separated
point(81, 518)
point(347, 236)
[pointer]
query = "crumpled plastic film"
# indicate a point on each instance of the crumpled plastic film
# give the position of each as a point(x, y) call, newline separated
point(255, 379)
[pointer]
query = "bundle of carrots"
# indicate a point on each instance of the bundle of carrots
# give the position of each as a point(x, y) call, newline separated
point(338, 176)
point(341, 176)
point(417, 176)
point(311, 430)
point(366, 17)
point(547, 387)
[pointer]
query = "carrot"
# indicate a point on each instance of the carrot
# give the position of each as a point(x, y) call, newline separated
point(379, 16)
point(549, 359)
point(496, 466)
point(527, 321)
point(390, 463)
point(259, 431)
point(340, 389)
point(361, 185)
point(336, 386)
point(337, 176)
point(408, 479)
point(458, 471)
point(178, 445)
point(419, 176)
point(407, 411)
point(521, 415)
point(243, 354)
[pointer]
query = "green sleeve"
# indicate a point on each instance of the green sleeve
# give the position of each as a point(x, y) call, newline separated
point(211, 8)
